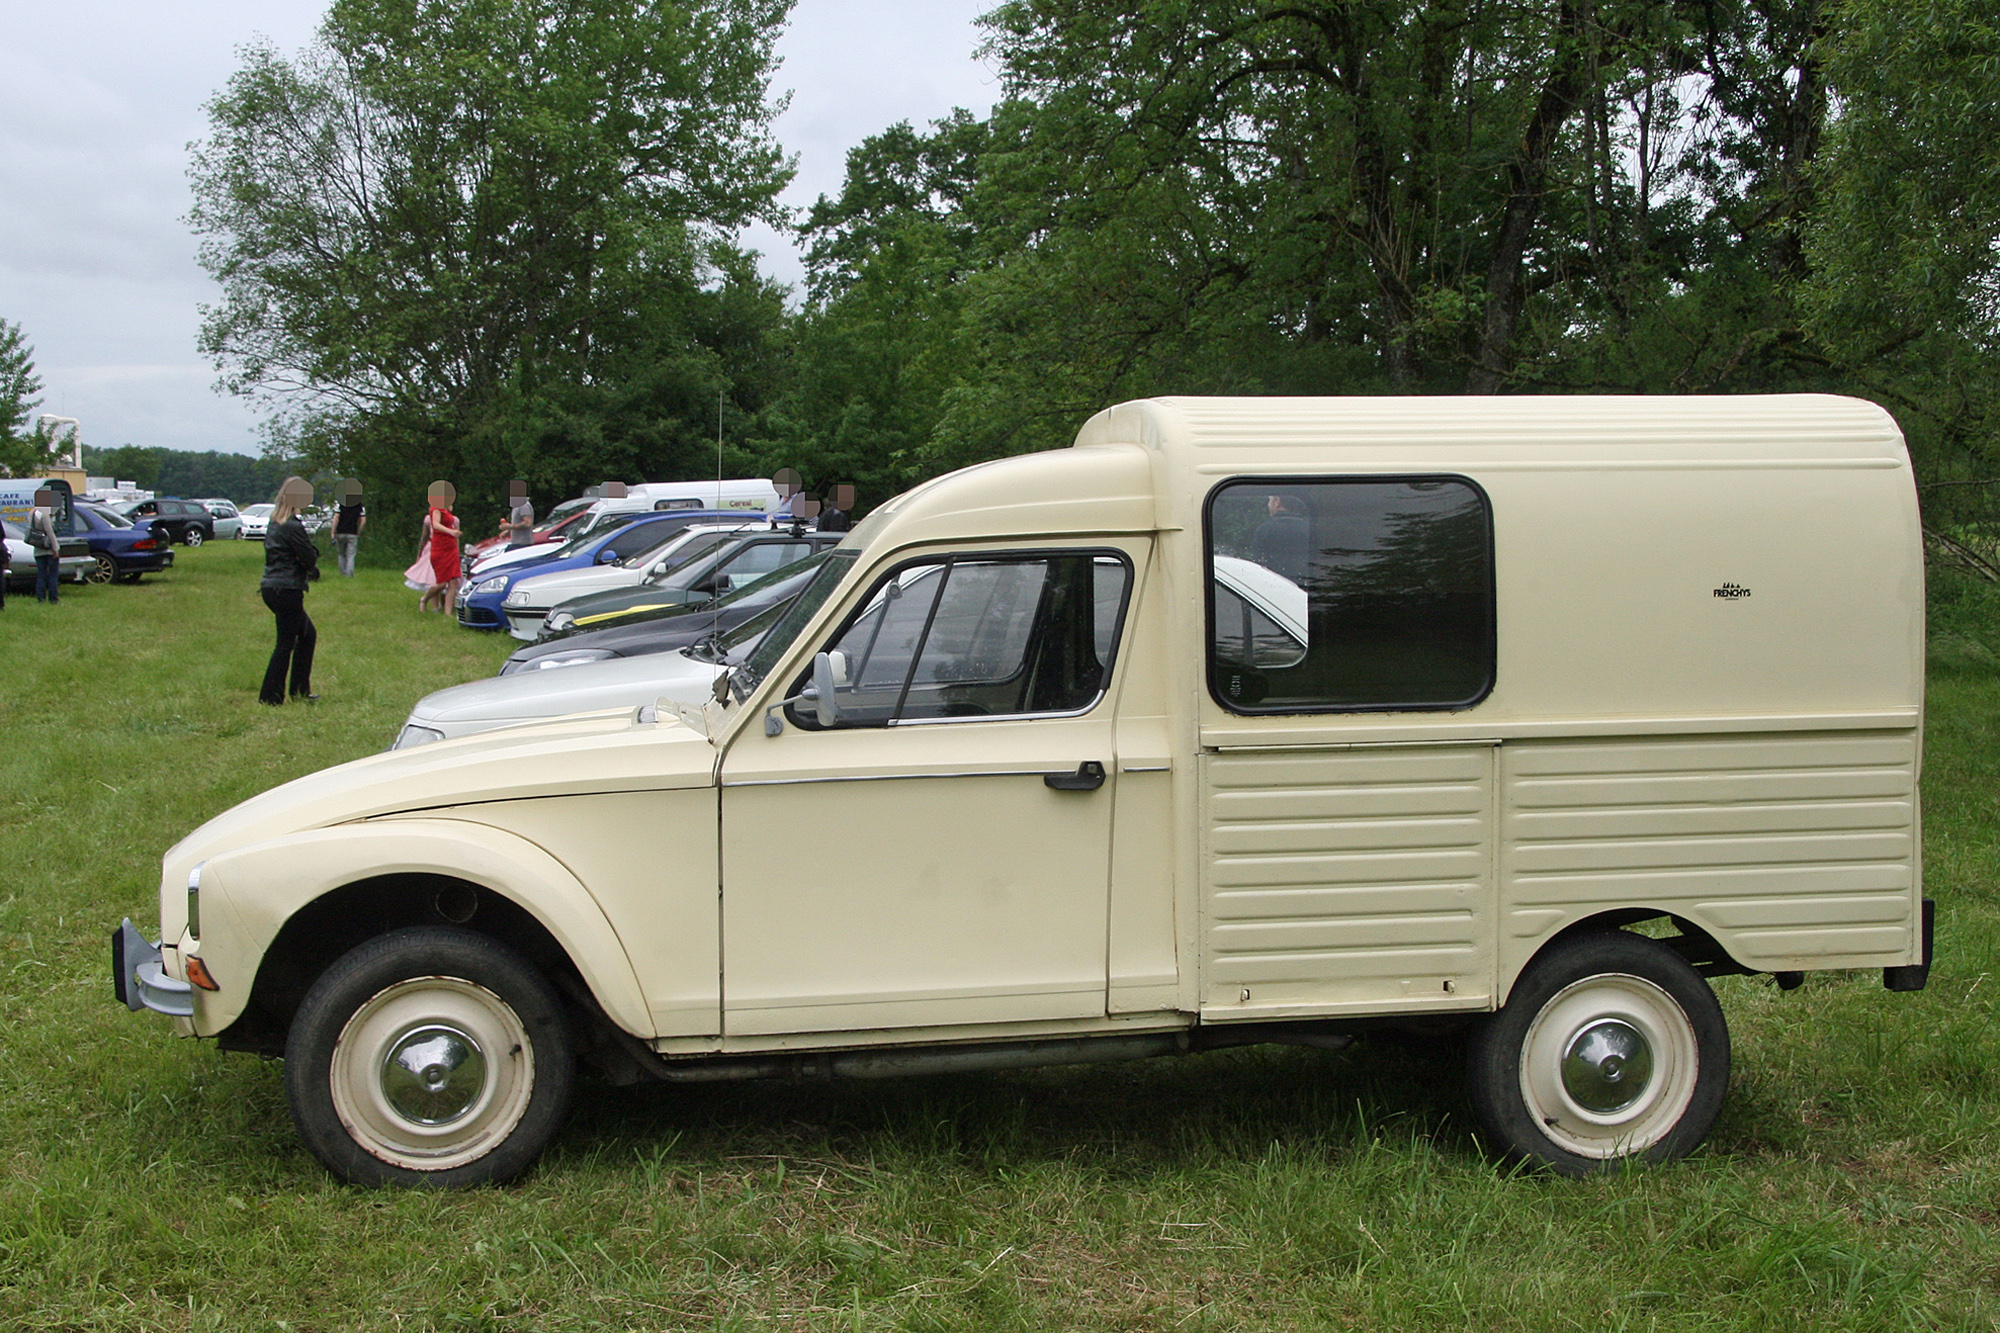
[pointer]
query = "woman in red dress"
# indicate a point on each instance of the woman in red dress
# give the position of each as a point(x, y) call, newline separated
point(441, 531)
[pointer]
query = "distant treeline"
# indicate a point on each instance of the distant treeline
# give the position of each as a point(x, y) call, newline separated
point(207, 475)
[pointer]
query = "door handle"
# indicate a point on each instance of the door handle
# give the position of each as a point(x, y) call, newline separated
point(1089, 776)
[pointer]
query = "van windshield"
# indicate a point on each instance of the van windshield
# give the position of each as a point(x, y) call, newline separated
point(801, 609)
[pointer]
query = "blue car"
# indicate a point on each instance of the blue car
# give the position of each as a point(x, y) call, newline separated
point(480, 596)
point(120, 548)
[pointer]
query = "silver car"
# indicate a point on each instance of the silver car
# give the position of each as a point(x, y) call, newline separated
point(228, 523)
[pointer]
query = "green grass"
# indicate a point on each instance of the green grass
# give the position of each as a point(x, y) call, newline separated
point(148, 1183)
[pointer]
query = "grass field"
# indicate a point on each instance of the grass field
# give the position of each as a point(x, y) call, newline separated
point(149, 1183)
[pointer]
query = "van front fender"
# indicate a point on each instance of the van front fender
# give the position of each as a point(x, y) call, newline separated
point(249, 893)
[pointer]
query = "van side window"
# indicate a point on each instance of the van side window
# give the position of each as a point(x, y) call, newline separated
point(1350, 594)
point(981, 636)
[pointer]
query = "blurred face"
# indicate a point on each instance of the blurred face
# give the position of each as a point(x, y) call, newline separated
point(517, 491)
point(442, 494)
point(45, 497)
point(298, 494)
point(350, 492)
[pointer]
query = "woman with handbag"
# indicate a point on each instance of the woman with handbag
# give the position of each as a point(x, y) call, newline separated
point(291, 561)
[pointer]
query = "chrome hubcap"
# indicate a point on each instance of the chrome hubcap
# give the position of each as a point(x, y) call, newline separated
point(433, 1075)
point(432, 1072)
point(1608, 1066)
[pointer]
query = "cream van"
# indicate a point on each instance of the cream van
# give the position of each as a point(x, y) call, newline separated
point(1518, 676)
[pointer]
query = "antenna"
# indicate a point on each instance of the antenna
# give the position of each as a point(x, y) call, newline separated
point(715, 614)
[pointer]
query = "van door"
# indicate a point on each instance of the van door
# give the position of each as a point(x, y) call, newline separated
point(940, 855)
point(1340, 873)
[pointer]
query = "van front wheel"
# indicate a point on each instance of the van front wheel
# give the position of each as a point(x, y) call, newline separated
point(1610, 1047)
point(431, 1057)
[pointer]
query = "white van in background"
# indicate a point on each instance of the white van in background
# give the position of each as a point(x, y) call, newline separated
point(752, 495)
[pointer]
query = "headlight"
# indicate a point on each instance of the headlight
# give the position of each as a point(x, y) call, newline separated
point(494, 584)
point(194, 902)
point(577, 658)
point(560, 620)
point(518, 597)
point(413, 735)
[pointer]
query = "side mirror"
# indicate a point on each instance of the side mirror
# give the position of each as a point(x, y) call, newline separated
point(607, 556)
point(829, 670)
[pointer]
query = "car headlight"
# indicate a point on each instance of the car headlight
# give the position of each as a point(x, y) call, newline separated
point(494, 584)
point(576, 658)
point(518, 597)
point(413, 735)
point(559, 620)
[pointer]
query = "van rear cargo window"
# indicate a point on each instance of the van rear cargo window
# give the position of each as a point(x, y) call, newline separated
point(1349, 595)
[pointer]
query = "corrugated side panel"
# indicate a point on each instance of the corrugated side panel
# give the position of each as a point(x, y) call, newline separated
point(1347, 880)
point(1796, 851)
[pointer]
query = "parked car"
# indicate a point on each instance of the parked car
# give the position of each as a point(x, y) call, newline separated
point(119, 548)
point(182, 520)
point(559, 524)
point(482, 594)
point(530, 600)
point(639, 632)
point(255, 521)
point(745, 559)
point(1540, 766)
point(227, 522)
point(74, 566)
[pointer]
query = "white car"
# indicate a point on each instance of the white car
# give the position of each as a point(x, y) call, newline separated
point(256, 520)
point(21, 560)
point(531, 599)
point(535, 696)
point(228, 523)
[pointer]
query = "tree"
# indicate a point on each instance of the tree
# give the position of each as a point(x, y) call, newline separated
point(451, 226)
point(1904, 288)
point(22, 450)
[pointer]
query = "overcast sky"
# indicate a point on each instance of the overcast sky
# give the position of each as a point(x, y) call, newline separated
point(102, 98)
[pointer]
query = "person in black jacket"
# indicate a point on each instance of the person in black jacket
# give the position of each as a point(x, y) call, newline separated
point(290, 562)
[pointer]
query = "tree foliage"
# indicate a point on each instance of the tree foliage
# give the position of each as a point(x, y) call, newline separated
point(495, 235)
point(488, 238)
point(1329, 196)
point(23, 449)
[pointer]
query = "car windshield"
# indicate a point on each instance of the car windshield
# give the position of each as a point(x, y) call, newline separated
point(675, 551)
point(110, 518)
point(796, 574)
point(577, 544)
point(791, 620)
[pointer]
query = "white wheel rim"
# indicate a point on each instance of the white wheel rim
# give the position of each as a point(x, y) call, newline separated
point(432, 1073)
point(1632, 1061)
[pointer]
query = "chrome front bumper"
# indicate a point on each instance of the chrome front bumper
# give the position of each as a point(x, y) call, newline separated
point(140, 979)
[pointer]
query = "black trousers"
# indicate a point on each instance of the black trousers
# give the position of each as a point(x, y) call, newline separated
point(296, 640)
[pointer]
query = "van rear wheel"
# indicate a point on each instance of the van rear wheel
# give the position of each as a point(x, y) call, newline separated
point(432, 1057)
point(1610, 1048)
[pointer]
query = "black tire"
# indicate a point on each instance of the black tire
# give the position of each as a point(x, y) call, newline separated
point(1610, 1048)
point(447, 1000)
point(103, 570)
point(194, 536)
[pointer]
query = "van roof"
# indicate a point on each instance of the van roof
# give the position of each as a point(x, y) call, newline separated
point(1738, 428)
point(1108, 482)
